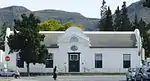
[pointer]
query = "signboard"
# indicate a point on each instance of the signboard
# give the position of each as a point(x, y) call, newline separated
point(7, 58)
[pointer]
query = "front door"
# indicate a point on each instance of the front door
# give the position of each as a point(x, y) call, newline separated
point(74, 62)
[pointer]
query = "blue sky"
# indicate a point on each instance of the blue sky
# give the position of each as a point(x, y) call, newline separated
point(88, 8)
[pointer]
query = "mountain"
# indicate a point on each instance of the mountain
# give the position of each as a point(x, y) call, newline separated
point(8, 14)
point(142, 12)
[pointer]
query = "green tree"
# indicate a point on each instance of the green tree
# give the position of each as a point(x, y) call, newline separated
point(125, 22)
point(50, 25)
point(117, 20)
point(146, 40)
point(107, 22)
point(27, 41)
point(2, 36)
point(143, 28)
point(71, 23)
point(146, 3)
point(135, 24)
point(56, 25)
point(103, 9)
point(102, 24)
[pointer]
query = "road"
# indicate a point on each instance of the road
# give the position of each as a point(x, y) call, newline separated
point(73, 78)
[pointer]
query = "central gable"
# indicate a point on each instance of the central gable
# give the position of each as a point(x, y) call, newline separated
point(73, 34)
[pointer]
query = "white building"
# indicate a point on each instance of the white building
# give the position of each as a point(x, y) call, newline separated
point(2, 59)
point(74, 50)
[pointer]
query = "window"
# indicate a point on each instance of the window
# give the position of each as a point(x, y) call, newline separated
point(74, 39)
point(73, 57)
point(19, 61)
point(98, 60)
point(74, 48)
point(49, 60)
point(126, 60)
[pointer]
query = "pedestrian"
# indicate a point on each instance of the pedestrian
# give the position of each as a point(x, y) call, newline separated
point(54, 73)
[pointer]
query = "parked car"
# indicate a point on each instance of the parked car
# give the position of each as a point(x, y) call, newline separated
point(143, 74)
point(130, 75)
point(9, 73)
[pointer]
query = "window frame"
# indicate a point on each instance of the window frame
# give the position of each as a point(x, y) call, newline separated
point(74, 39)
point(98, 62)
point(49, 61)
point(73, 57)
point(126, 63)
point(18, 60)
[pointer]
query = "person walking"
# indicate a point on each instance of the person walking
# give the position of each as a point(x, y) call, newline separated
point(54, 73)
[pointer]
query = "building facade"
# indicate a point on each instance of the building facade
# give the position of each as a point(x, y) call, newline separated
point(75, 50)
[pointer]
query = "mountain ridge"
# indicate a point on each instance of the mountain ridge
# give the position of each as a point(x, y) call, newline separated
point(8, 14)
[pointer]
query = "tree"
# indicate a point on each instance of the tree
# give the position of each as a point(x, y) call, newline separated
point(107, 22)
point(125, 22)
point(26, 40)
point(103, 9)
point(117, 20)
point(71, 23)
point(56, 25)
point(50, 25)
point(146, 40)
point(143, 28)
point(2, 36)
point(146, 3)
point(135, 24)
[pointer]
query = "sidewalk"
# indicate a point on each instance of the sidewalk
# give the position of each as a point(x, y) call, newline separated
point(22, 80)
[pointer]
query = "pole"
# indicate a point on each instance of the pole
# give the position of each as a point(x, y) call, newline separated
point(7, 71)
point(7, 64)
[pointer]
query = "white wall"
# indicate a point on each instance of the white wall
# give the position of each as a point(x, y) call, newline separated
point(63, 54)
point(112, 59)
point(2, 58)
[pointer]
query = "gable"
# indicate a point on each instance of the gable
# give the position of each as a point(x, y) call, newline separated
point(72, 32)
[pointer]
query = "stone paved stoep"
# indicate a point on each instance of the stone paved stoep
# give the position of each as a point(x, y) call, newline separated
point(22, 80)
point(72, 78)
